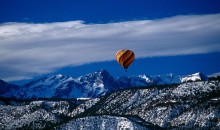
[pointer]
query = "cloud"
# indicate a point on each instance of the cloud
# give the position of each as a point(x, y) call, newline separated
point(29, 49)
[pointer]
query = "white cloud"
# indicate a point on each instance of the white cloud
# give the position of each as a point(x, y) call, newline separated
point(27, 49)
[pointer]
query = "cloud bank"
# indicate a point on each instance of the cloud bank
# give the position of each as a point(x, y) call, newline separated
point(28, 49)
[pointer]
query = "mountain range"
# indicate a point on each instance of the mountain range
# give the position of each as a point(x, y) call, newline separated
point(136, 103)
point(192, 105)
point(92, 85)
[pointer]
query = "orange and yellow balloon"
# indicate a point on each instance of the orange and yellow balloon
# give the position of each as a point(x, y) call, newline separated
point(125, 58)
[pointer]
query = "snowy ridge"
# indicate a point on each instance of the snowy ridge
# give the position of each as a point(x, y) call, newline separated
point(169, 106)
point(87, 86)
point(91, 85)
point(194, 77)
point(83, 107)
point(192, 105)
point(32, 116)
point(146, 80)
point(202, 117)
point(102, 123)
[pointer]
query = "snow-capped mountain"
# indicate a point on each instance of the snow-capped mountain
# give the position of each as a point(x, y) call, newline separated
point(194, 77)
point(88, 86)
point(91, 85)
point(192, 105)
point(146, 80)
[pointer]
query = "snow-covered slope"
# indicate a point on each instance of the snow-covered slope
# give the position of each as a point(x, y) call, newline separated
point(188, 105)
point(192, 105)
point(36, 115)
point(194, 77)
point(102, 123)
point(40, 114)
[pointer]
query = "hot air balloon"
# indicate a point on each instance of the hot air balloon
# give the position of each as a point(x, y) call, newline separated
point(125, 58)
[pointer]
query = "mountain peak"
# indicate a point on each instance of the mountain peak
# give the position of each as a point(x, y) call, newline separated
point(198, 73)
point(194, 77)
point(103, 72)
point(98, 74)
point(59, 75)
point(93, 84)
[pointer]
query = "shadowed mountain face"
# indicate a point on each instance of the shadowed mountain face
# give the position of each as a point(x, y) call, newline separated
point(88, 86)
point(7, 87)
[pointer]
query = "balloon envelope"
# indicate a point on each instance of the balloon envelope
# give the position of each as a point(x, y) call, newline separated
point(125, 58)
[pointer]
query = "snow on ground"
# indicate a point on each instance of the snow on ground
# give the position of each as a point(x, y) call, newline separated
point(101, 123)
point(82, 107)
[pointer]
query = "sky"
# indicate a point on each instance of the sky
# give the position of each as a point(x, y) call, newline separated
point(45, 37)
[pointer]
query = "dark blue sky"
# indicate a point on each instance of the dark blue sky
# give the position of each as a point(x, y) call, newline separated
point(109, 11)
point(181, 65)
point(100, 11)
